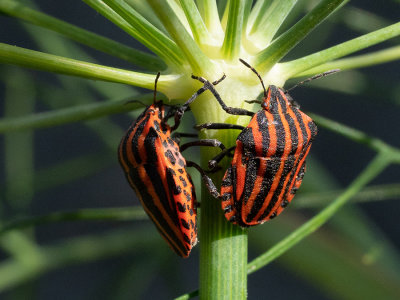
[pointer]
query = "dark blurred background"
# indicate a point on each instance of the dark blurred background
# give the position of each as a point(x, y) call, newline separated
point(366, 99)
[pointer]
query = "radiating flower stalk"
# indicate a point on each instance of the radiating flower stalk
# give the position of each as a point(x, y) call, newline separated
point(193, 39)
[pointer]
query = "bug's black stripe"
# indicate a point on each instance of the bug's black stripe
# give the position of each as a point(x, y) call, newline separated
point(135, 139)
point(273, 103)
point(280, 135)
point(282, 102)
point(249, 180)
point(162, 194)
point(149, 145)
point(172, 189)
point(247, 139)
point(234, 180)
point(301, 125)
point(313, 129)
point(294, 135)
point(262, 123)
point(156, 214)
point(154, 176)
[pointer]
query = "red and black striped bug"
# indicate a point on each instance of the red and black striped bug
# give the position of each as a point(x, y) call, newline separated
point(156, 170)
point(268, 164)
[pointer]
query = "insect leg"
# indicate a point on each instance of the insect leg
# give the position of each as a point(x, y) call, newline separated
point(205, 142)
point(230, 110)
point(218, 126)
point(207, 180)
point(181, 110)
point(212, 163)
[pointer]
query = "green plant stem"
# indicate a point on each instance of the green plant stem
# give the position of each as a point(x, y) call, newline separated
point(268, 21)
point(223, 251)
point(139, 58)
point(73, 169)
point(18, 147)
point(144, 8)
point(303, 200)
point(189, 295)
point(291, 68)
point(72, 114)
point(124, 16)
point(74, 251)
point(233, 33)
point(267, 58)
point(199, 62)
point(93, 214)
point(199, 29)
point(209, 11)
point(356, 62)
point(353, 134)
point(377, 165)
point(369, 194)
point(53, 63)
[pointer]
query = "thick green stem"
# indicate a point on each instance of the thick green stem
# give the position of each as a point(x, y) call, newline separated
point(223, 251)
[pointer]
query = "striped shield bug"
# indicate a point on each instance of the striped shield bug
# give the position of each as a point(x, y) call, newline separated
point(155, 168)
point(268, 163)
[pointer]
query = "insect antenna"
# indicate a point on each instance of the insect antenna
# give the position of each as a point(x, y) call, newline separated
point(258, 75)
point(155, 88)
point(330, 72)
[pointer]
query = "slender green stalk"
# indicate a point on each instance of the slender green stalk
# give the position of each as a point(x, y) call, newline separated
point(188, 295)
point(376, 166)
point(94, 214)
point(290, 69)
point(361, 20)
point(72, 114)
point(199, 62)
point(199, 29)
point(355, 62)
point(74, 251)
point(209, 11)
point(73, 169)
point(144, 8)
point(351, 133)
point(259, 10)
point(267, 58)
point(267, 24)
point(53, 63)
point(18, 148)
point(139, 58)
point(124, 16)
point(233, 32)
point(303, 200)
point(370, 194)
